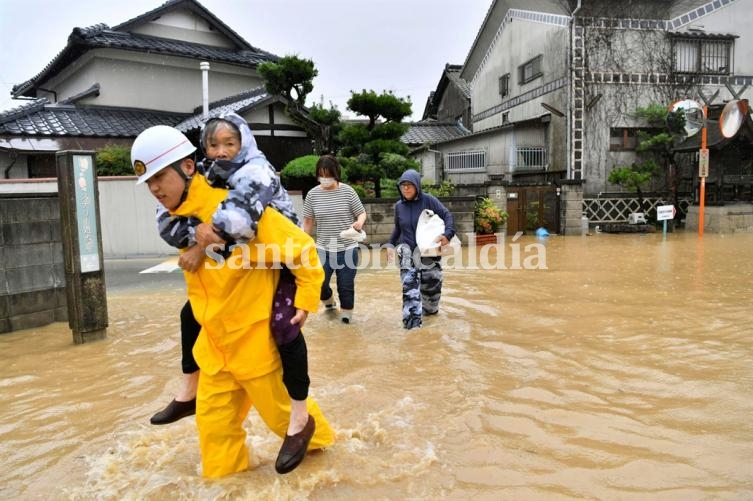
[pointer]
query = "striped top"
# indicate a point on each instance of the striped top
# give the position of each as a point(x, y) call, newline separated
point(333, 211)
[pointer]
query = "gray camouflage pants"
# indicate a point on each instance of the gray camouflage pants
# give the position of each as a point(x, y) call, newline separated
point(421, 278)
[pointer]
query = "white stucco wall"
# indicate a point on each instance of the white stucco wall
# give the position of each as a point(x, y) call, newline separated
point(184, 25)
point(152, 81)
point(261, 115)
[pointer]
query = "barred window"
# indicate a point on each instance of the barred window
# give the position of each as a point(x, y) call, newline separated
point(529, 158)
point(465, 161)
point(530, 70)
point(705, 56)
point(504, 85)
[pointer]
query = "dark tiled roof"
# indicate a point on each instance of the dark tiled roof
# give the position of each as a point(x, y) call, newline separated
point(703, 36)
point(430, 108)
point(453, 74)
point(432, 132)
point(450, 75)
point(82, 40)
point(237, 103)
point(40, 118)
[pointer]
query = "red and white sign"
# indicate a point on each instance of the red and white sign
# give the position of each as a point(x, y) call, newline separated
point(665, 212)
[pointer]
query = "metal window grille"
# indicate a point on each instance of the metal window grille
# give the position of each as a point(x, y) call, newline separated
point(465, 161)
point(530, 158)
point(702, 56)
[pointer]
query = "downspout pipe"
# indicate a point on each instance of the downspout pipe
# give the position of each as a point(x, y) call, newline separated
point(577, 8)
point(204, 66)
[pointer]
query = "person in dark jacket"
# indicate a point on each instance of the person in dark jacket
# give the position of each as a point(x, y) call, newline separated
point(421, 276)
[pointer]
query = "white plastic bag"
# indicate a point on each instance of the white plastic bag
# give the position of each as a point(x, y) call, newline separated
point(353, 234)
point(430, 226)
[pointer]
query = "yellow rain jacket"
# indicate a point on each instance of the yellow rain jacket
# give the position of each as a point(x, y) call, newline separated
point(233, 300)
point(239, 361)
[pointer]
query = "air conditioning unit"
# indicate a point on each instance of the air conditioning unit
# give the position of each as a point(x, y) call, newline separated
point(637, 218)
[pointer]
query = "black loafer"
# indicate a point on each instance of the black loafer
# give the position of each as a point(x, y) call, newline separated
point(294, 447)
point(174, 411)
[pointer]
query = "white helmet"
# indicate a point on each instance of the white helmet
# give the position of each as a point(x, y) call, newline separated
point(156, 148)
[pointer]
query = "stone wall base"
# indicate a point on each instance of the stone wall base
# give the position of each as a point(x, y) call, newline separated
point(730, 218)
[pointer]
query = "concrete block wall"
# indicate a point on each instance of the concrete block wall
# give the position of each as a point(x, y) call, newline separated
point(32, 276)
point(571, 209)
point(381, 217)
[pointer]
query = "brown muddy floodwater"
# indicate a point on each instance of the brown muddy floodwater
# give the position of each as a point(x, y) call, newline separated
point(623, 371)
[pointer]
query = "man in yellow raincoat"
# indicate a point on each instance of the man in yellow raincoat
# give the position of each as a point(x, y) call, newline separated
point(232, 300)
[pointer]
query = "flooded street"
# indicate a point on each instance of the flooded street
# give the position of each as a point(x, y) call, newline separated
point(622, 371)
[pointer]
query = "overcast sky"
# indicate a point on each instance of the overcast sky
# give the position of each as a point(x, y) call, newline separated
point(397, 45)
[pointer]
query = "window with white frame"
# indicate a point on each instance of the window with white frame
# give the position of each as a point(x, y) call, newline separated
point(465, 161)
point(707, 55)
point(529, 158)
point(530, 70)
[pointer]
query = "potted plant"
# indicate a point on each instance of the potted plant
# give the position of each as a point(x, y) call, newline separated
point(487, 220)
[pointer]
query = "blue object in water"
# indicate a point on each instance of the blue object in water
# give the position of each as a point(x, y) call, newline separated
point(541, 233)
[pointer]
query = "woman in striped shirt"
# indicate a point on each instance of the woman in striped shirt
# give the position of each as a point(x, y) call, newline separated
point(334, 206)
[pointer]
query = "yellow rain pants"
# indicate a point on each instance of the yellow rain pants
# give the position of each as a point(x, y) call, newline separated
point(221, 407)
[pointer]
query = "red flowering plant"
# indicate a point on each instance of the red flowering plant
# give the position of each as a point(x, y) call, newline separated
point(488, 218)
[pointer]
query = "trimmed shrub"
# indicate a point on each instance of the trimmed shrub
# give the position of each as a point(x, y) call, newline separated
point(300, 174)
point(114, 160)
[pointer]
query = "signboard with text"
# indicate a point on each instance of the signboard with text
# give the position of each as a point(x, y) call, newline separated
point(85, 293)
point(86, 216)
point(703, 162)
point(665, 212)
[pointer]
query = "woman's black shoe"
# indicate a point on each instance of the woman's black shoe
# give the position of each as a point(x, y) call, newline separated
point(174, 411)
